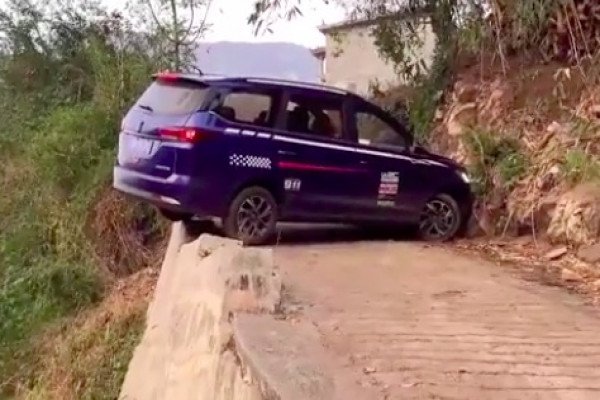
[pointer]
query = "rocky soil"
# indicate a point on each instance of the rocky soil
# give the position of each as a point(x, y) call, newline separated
point(531, 138)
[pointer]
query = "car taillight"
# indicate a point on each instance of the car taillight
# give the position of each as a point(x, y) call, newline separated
point(188, 135)
point(168, 76)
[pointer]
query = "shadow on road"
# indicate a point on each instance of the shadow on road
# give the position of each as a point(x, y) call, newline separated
point(302, 233)
point(299, 234)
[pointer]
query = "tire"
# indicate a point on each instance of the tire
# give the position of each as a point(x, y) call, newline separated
point(252, 217)
point(440, 219)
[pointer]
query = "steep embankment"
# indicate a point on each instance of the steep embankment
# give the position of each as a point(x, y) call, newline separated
point(65, 242)
point(530, 136)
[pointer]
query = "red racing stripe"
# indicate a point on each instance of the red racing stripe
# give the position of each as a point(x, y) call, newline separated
point(312, 167)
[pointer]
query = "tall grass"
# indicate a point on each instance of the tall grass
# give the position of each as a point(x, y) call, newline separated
point(57, 157)
point(47, 268)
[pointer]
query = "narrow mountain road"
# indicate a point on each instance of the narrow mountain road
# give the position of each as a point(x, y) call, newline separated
point(408, 321)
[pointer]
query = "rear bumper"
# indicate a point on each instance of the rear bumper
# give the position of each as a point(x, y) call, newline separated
point(173, 193)
point(163, 201)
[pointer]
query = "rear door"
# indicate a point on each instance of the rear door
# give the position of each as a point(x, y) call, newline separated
point(317, 164)
point(167, 103)
point(245, 154)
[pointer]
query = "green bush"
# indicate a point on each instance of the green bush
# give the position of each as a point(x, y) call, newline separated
point(422, 109)
point(47, 267)
point(70, 142)
point(512, 167)
point(494, 154)
point(40, 293)
point(67, 73)
point(579, 166)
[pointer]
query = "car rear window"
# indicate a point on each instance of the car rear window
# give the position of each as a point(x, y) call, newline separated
point(315, 115)
point(173, 97)
point(248, 106)
point(245, 107)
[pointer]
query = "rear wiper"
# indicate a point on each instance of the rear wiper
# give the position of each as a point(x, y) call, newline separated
point(147, 108)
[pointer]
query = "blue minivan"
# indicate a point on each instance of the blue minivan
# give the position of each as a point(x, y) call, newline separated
point(253, 152)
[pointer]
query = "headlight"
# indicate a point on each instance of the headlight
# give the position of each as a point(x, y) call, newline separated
point(465, 177)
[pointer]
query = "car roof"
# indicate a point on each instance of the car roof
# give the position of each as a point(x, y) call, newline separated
point(253, 80)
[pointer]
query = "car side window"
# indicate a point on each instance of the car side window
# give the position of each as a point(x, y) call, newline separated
point(315, 116)
point(374, 131)
point(245, 107)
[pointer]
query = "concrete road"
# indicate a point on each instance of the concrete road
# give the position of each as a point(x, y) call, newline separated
point(408, 321)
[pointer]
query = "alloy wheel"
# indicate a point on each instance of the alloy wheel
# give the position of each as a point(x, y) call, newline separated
point(438, 220)
point(254, 217)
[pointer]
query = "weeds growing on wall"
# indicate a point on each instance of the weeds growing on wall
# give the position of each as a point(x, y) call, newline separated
point(579, 166)
point(427, 95)
point(495, 157)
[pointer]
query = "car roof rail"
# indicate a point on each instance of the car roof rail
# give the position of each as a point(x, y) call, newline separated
point(305, 85)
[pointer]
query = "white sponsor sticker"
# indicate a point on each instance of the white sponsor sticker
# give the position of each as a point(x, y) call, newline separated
point(386, 203)
point(390, 177)
point(388, 189)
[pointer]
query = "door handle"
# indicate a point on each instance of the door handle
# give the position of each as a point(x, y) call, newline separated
point(286, 153)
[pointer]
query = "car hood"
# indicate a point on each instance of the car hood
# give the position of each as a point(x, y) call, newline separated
point(421, 151)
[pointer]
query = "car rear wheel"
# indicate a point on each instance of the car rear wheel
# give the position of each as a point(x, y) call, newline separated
point(252, 216)
point(440, 219)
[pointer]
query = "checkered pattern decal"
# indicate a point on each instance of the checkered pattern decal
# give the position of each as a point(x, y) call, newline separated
point(246, 161)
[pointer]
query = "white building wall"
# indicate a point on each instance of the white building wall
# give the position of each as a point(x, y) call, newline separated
point(352, 60)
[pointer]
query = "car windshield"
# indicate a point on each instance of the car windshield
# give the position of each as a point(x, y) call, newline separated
point(375, 131)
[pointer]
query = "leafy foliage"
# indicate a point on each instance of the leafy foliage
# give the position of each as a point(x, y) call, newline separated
point(66, 75)
point(495, 156)
point(178, 26)
point(579, 166)
point(512, 167)
point(400, 36)
point(560, 29)
point(267, 11)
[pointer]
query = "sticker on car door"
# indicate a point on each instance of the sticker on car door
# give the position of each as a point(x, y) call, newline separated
point(388, 189)
point(292, 185)
point(249, 161)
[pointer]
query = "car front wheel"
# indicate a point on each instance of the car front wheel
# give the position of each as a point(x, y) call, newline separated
point(440, 219)
point(252, 216)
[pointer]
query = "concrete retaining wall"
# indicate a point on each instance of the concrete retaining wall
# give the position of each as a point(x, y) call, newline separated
point(211, 333)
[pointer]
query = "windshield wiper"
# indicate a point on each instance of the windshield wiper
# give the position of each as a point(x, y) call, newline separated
point(147, 108)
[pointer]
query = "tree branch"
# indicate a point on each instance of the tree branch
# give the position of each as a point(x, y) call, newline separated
point(192, 17)
point(155, 17)
point(201, 28)
point(208, 6)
